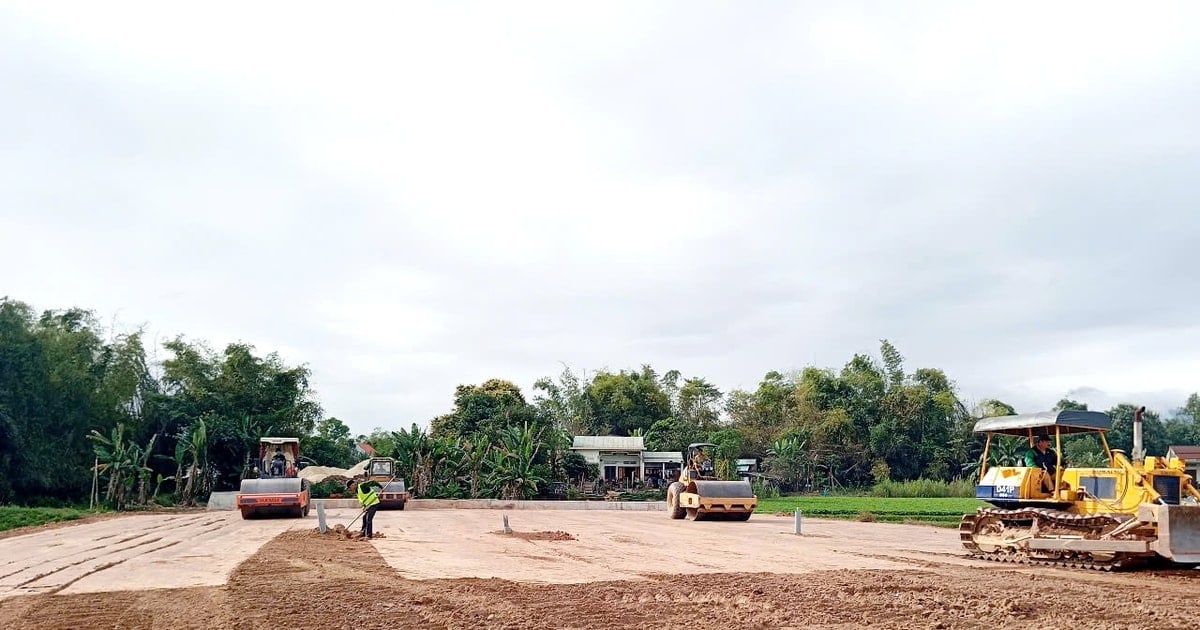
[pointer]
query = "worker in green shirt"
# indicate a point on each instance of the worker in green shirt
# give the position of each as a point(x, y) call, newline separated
point(1044, 457)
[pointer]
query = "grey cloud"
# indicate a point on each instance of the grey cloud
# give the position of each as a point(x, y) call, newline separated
point(988, 241)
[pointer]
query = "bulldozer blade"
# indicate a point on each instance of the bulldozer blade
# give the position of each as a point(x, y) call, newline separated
point(1178, 532)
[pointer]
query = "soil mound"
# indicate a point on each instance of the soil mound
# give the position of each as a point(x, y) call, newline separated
point(539, 535)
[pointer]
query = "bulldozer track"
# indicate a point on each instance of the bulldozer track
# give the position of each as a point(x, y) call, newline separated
point(1021, 558)
point(1014, 555)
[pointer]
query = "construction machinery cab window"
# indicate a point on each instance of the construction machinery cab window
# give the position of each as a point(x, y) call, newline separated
point(1169, 488)
point(1099, 487)
point(381, 468)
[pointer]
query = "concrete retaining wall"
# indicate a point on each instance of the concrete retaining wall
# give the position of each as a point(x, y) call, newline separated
point(223, 501)
point(496, 504)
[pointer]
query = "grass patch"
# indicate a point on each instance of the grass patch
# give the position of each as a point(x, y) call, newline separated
point(12, 517)
point(925, 488)
point(945, 512)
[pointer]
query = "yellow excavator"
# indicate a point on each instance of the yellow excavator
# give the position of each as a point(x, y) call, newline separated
point(1134, 511)
point(699, 495)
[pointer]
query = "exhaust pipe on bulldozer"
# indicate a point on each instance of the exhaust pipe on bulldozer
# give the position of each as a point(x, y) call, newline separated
point(1138, 453)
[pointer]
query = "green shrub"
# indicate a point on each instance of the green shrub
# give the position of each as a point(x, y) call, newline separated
point(924, 488)
point(765, 489)
point(325, 488)
point(644, 495)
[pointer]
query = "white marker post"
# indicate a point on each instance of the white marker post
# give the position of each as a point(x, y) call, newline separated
point(321, 518)
point(506, 528)
point(797, 527)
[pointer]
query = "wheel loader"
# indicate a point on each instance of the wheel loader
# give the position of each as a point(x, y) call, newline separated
point(698, 495)
point(1134, 511)
point(277, 489)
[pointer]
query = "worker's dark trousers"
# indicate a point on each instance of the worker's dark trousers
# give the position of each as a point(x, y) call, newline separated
point(368, 520)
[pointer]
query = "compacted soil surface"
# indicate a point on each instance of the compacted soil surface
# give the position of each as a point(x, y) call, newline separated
point(550, 573)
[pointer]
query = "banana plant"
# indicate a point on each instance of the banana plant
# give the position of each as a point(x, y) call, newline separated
point(194, 447)
point(512, 469)
point(144, 471)
point(117, 460)
point(474, 457)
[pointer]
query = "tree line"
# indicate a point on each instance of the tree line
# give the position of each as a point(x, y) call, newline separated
point(79, 404)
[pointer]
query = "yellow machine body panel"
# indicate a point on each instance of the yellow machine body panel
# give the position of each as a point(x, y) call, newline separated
point(1115, 490)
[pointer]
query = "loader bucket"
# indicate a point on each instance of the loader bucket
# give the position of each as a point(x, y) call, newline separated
point(1178, 533)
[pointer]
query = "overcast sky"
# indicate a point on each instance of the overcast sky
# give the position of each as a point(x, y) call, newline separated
point(410, 199)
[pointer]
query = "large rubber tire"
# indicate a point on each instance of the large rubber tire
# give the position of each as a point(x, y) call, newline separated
point(401, 505)
point(673, 509)
point(694, 514)
point(247, 513)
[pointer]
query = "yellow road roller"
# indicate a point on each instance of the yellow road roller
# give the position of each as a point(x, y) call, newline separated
point(699, 495)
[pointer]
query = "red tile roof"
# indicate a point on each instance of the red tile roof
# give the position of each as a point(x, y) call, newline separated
point(1186, 452)
point(367, 448)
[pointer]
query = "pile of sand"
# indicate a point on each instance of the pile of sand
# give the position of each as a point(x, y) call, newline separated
point(317, 474)
point(342, 533)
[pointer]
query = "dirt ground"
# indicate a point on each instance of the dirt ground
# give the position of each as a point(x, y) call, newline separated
point(132, 552)
point(660, 572)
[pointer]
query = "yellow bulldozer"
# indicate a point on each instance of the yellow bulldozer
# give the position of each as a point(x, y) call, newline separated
point(699, 495)
point(1134, 511)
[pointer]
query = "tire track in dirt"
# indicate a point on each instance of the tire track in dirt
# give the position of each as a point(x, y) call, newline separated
point(105, 551)
point(89, 559)
point(90, 546)
point(108, 565)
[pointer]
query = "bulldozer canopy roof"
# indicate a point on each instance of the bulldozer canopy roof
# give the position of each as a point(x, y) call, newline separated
point(1045, 422)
